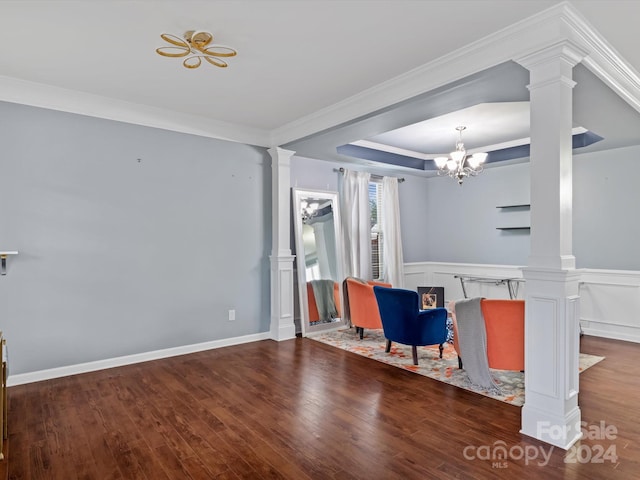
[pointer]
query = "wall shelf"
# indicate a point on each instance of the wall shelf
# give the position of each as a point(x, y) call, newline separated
point(515, 216)
point(3, 260)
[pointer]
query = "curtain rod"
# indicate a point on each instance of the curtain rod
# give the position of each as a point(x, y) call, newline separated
point(373, 175)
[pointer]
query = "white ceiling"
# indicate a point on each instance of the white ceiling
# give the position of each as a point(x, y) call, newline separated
point(295, 57)
point(488, 126)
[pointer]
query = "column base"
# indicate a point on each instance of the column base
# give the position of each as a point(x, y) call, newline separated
point(282, 322)
point(283, 332)
point(558, 431)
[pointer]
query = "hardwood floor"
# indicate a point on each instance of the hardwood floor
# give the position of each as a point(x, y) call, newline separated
point(300, 409)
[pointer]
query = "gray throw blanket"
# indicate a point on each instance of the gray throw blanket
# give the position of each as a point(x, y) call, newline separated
point(323, 292)
point(472, 339)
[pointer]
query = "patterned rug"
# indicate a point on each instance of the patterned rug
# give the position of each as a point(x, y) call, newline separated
point(430, 365)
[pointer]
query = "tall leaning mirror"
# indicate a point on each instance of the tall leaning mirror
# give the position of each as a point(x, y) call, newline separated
point(318, 259)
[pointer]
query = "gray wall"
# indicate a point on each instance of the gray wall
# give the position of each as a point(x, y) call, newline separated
point(442, 221)
point(605, 231)
point(463, 220)
point(121, 256)
point(314, 174)
point(606, 192)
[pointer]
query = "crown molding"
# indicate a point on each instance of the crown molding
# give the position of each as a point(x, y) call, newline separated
point(557, 24)
point(517, 142)
point(603, 60)
point(24, 92)
point(516, 40)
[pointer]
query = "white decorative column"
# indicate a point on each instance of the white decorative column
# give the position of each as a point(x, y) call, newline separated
point(551, 411)
point(282, 325)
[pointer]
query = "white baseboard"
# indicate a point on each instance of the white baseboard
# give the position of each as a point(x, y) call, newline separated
point(614, 335)
point(48, 374)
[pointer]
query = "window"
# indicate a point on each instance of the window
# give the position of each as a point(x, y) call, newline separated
point(375, 206)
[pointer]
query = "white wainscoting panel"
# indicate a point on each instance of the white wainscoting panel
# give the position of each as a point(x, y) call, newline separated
point(544, 311)
point(440, 274)
point(609, 304)
point(572, 309)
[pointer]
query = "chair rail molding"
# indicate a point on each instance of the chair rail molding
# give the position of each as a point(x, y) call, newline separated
point(610, 303)
point(444, 274)
point(609, 299)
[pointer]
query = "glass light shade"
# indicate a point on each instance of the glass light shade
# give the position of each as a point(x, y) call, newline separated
point(452, 165)
point(473, 162)
point(458, 156)
point(441, 161)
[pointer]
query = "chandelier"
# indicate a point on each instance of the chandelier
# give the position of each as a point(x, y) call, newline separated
point(308, 209)
point(460, 165)
point(195, 46)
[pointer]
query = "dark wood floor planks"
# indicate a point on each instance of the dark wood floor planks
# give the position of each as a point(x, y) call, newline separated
point(300, 410)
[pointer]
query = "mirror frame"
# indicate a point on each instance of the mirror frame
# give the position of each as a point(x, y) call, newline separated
point(298, 195)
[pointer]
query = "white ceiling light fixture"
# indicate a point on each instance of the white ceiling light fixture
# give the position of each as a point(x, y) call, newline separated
point(195, 46)
point(308, 209)
point(459, 165)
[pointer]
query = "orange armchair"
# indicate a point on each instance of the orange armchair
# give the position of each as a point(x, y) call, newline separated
point(313, 307)
point(504, 325)
point(362, 304)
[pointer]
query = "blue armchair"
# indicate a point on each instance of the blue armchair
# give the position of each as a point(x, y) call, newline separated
point(404, 322)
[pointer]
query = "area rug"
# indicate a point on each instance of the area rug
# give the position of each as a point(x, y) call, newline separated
point(444, 369)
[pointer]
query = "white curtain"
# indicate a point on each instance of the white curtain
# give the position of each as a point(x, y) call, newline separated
point(391, 236)
point(325, 237)
point(356, 224)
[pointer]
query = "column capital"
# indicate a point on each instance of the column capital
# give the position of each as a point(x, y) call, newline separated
point(552, 65)
point(280, 153)
point(284, 258)
point(567, 51)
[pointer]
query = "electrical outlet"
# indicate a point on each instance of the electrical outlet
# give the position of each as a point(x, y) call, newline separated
point(232, 315)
